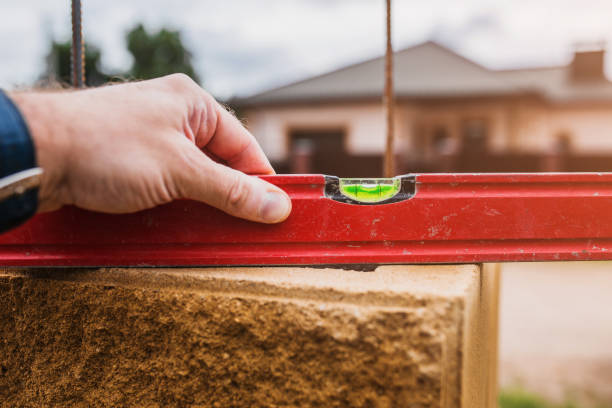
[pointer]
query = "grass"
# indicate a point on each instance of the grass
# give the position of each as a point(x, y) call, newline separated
point(519, 398)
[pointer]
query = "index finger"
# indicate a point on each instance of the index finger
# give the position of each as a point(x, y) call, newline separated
point(230, 141)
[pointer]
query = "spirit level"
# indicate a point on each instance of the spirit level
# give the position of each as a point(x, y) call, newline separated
point(422, 218)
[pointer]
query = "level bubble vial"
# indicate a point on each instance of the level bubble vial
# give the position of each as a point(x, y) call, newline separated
point(370, 190)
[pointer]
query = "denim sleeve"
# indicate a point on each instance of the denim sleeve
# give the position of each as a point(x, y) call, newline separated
point(16, 154)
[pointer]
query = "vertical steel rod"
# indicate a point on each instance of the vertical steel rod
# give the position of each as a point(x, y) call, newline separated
point(388, 101)
point(77, 57)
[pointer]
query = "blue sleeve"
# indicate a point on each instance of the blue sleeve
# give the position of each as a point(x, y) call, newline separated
point(16, 154)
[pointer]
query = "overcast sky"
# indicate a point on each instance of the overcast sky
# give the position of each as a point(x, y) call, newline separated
point(244, 46)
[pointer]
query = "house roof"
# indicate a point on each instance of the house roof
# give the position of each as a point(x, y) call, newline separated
point(429, 70)
point(555, 84)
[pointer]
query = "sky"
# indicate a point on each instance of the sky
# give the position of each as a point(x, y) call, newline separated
point(242, 47)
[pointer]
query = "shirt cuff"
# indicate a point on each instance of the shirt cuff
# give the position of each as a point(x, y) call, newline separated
point(16, 154)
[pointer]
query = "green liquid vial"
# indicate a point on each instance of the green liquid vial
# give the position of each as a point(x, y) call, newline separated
point(370, 190)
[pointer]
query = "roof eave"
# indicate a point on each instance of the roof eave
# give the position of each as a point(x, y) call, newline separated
point(376, 98)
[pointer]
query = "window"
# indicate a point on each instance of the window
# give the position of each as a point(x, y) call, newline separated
point(474, 133)
point(442, 142)
point(562, 144)
point(317, 151)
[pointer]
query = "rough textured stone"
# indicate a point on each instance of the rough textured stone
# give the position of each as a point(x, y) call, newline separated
point(401, 336)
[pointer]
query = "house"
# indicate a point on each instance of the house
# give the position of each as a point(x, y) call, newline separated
point(452, 114)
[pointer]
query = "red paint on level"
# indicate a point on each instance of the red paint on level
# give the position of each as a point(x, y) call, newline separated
point(453, 218)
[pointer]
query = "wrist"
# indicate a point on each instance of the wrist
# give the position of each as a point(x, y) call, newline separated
point(42, 113)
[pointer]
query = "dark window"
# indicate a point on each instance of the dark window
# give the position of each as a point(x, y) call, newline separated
point(442, 142)
point(474, 134)
point(563, 144)
point(317, 151)
point(322, 151)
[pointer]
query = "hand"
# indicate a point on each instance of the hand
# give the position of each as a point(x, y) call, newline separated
point(125, 148)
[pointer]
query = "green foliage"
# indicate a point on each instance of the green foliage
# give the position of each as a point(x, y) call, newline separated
point(155, 55)
point(158, 54)
point(58, 64)
point(519, 398)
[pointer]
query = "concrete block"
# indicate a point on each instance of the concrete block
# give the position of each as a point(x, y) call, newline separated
point(399, 336)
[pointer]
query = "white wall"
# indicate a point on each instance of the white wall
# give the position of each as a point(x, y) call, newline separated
point(521, 126)
point(591, 128)
point(364, 125)
point(453, 115)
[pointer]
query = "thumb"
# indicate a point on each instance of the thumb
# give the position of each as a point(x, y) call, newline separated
point(234, 192)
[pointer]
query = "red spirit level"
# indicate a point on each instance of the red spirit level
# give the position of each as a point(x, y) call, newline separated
point(422, 218)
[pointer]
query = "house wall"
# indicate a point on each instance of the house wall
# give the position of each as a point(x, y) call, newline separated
point(421, 121)
point(363, 123)
point(529, 127)
point(590, 128)
point(516, 126)
point(536, 127)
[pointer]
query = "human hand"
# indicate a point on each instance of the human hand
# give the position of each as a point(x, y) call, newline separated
point(128, 147)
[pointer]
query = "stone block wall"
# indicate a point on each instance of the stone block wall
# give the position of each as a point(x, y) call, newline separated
point(399, 336)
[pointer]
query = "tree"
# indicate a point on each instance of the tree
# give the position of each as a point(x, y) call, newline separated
point(58, 64)
point(158, 54)
point(155, 55)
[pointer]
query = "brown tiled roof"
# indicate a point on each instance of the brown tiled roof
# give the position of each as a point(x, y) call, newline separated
point(555, 84)
point(429, 70)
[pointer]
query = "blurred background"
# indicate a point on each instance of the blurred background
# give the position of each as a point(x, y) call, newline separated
point(481, 85)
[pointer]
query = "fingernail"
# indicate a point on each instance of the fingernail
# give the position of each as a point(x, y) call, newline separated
point(275, 207)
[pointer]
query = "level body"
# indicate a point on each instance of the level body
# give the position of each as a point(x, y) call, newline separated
point(445, 218)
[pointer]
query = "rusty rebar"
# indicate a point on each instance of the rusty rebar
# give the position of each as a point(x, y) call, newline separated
point(77, 55)
point(388, 101)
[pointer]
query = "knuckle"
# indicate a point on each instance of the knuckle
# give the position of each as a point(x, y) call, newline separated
point(237, 194)
point(181, 80)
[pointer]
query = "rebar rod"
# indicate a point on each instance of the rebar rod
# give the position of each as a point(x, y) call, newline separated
point(388, 101)
point(77, 56)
